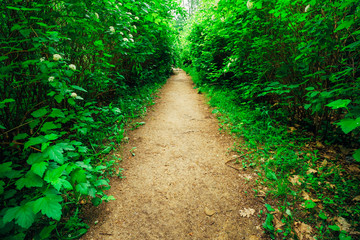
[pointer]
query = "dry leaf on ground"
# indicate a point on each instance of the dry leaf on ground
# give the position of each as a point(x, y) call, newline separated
point(295, 179)
point(357, 198)
point(303, 231)
point(247, 212)
point(343, 224)
point(311, 171)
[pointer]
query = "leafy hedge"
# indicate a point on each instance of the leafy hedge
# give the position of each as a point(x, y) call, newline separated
point(301, 57)
point(71, 72)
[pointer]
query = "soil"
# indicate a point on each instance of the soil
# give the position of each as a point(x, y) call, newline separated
point(179, 185)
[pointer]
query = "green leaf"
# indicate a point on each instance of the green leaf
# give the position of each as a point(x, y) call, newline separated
point(269, 208)
point(57, 113)
point(2, 184)
point(39, 168)
point(348, 124)
point(52, 176)
point(334, 227)
point(23, 215)
point(78, 88)
point(49, 206)
point(35, 158)
point(3, 103)
point(2, 126)
point(5, 168)
point(322, 215)
point(55, 153)
point(309, 204)
point(83, 188)
point(356, 155)
point(49, 126)
point(343, 236)
point(96, 201)
point(340, 103)
point(21, 136)
point(39, 113)
point(345, 24)
point(35, 141)
point(101, 182)
point(78, 175)
point(268, 224)
point(30, 180)
point(46, 231)
point(59, 98)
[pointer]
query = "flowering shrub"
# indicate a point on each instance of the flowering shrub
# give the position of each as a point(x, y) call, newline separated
point(69, 82)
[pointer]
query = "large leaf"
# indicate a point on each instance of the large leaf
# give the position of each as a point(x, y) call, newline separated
point(349, 124)
point(57, 113)
point(39, 113)
point(55, 153)
point(24, 215)
point(340, 103)
point(356, 155)
point(49, 206)
point(35, 141)
point(30, 180)
point(39, 168)
point(49, 126)
point(52, 176)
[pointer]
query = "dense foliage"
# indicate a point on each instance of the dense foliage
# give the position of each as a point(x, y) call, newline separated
point(285, 76)
point(72, 73)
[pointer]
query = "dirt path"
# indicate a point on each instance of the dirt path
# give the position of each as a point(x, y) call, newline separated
point(177, 186)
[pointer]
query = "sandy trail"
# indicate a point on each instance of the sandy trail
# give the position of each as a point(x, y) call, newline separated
point(177, 186)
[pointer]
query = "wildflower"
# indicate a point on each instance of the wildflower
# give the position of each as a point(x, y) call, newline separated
point(137, 18)
point(42, 59)
point(72, 67)
point(213, 17)
point(112, 29)
point(129, 13)
point(307, 8)
point(73, 95)
point(132, 40)
point(130, 35)
point(51, 79)
point(121, 33)
point(134, 26)
point(56, 57)
point(126, 40)
point(249, 4)
point(97, 15)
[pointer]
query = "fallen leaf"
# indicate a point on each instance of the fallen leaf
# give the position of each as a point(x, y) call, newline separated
point(319, 144)
point(324, 163)
point(357, 198)
point(278, 223)
point(354, 168)
point(305, 195)
point(247, 212)
point(254, 237)
point(303, 231)
point(295, 179)
point(311, 171)
point(344, 225)
point(209, 212)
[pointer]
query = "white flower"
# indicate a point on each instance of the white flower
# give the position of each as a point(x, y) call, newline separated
point(42, 59)
point(126, 40)
point(249, 4)
point(112, 29)
point(130, 35)
point(73, 95)
point(307, 8)
point(213, 17)
point(134, 26)
point(129, 13)
point(56, 57)
point(132, 40)
point(51, 79)
point(137, 18)
point(122, 33)
point(72, 67)
point(222, 19)
point(97, 15)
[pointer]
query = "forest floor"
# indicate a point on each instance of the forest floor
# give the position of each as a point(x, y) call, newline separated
point(177, 184)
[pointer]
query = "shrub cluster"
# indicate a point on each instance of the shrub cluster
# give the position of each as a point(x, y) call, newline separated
point(71, 72)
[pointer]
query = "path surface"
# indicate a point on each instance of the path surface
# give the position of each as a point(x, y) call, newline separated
point(177, 186)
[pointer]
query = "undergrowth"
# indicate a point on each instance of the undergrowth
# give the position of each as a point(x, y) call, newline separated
point(315, 187)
